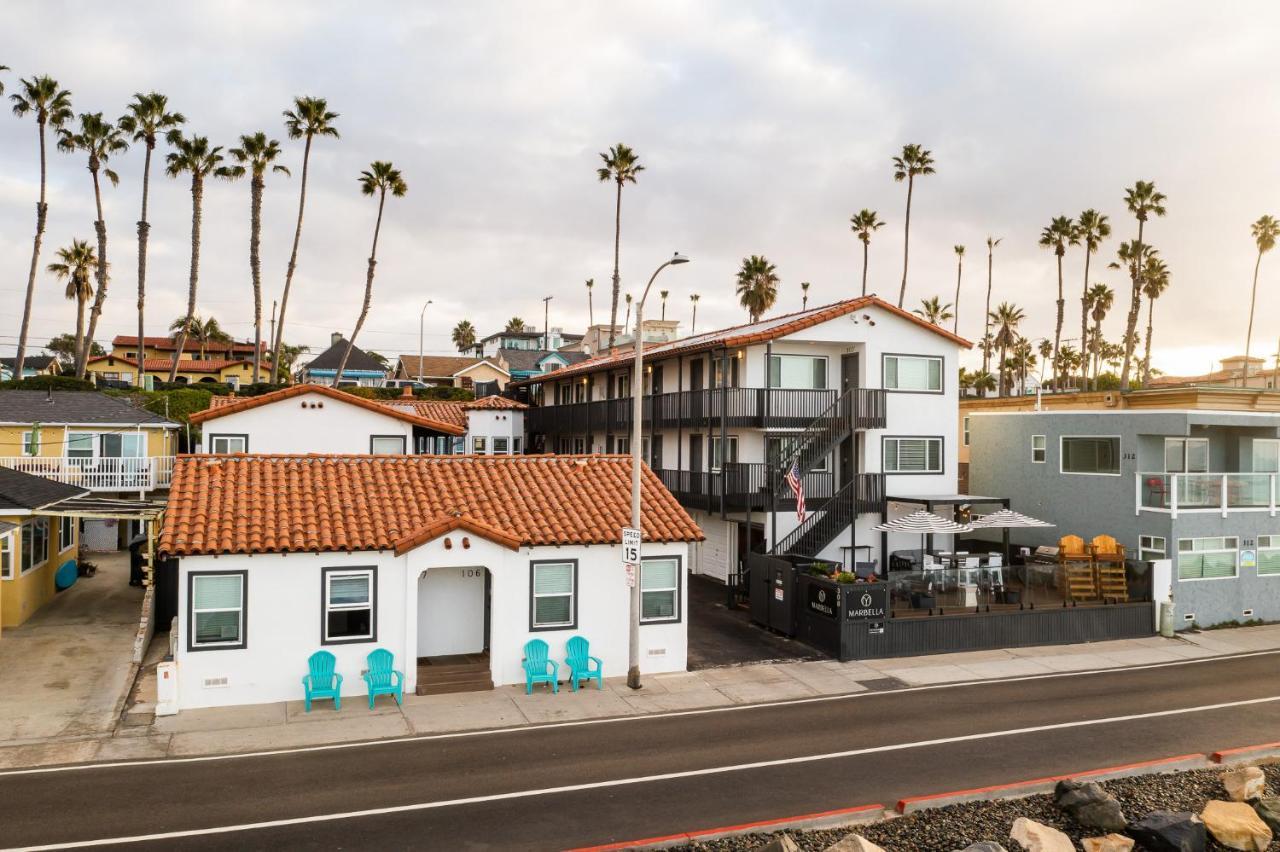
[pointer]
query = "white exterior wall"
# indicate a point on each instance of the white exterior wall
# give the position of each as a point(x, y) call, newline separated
point(495, 424)
point(283, 617)
point(716, 556)
point(286, 426)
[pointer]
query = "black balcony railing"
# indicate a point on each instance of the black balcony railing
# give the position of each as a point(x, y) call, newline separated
point(864, 494)
point(745, 486)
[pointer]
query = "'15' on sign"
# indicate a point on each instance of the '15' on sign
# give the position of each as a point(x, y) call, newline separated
point(630, 546)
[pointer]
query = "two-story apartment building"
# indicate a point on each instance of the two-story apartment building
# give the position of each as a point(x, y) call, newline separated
point(858, 395)
point(1190, 475)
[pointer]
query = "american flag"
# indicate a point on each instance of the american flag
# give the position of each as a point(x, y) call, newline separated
point(797, 488)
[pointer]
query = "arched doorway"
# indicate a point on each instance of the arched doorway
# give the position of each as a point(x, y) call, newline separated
point(453, 630)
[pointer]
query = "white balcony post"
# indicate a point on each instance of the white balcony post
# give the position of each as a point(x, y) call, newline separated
point(1222, 498)
point(1137, 493)
point(1173, 496)
point(1271, 494)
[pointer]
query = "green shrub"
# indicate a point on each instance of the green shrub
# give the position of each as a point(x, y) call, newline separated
point(846, 577)
point(61, 383)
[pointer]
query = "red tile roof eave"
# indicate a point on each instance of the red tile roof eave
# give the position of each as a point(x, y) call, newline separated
point(250, 402)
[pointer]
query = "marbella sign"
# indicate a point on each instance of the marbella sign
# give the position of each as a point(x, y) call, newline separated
point(866, 602)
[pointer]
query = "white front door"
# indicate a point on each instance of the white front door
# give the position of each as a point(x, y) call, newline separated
point(451, 612)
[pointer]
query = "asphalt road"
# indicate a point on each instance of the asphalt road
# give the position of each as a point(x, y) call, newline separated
point(648, 776)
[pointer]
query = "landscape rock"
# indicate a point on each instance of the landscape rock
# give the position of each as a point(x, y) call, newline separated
point(1034, 836)
point(983, 846)
point(854, 843)
point(1268, 809)
point(1170, 831)
point(1236, 825)
point(1110, 843)
point(1089, 805)
point(1244, 783)
point(781, 843)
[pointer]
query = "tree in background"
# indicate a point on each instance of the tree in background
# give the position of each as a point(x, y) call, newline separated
point(51, 106)
point(1264, 231)
point(1057, 235)
point(627, 322)
point(64, 347)
point(1143, 202)
point(693, 323)
point(1092, 228)
point(865, 223)
point(515, 325)
point(986, 314)
point(147, 117)
point(663, 294)
point(621, 165)
point(464, 336)
point(1155, 280)
point(804, 295)
point(1099, 299)
point(1006, 318)
point(203, 331)
point(591, 311)
point(757, 285)
point(913, 162)
point(959, 250)
point(74, 266)
point(933, 310)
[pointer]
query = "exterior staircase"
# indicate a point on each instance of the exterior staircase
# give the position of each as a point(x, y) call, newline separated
point(454, 673)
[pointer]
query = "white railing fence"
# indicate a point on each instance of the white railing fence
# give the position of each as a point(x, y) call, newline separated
point(1201, 492)
point(98, 474)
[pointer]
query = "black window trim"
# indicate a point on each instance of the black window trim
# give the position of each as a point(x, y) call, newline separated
point(573, 599)
point(213, 436)
point(942, 373)
point(769, 355)
point(942, 455)
point(679, 617)
point(401, 438)
point(243, 644)
point(325, 571)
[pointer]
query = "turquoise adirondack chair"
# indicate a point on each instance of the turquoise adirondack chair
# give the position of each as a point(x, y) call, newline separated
point(322, 682)
point(381, 678)
point(539, 667)
point(583, 666)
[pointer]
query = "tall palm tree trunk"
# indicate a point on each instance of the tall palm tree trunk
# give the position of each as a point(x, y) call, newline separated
point(986, 316)
point(617, 281)
point(1000, 367)
point(865, 247)
point(144, 230)
point(80, 300)
point(591, 309)
point(1097, 353)
point(100, 226)
point(1084, 324)
point(1248, 337)
point(42, 214)
point(1146, 357)
point(368, 291)
point(955, 325)
point(255, 268)
point(906, 242)
point(1057, 331)
point(197, 196)
point(1135, 306)
point(293, 265)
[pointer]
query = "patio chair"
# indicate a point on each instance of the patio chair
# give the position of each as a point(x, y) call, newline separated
point(539, 667)
point(381, 678)
point(1108, 556)
point(321, 680)
point(583, 666)
point(1076, 565)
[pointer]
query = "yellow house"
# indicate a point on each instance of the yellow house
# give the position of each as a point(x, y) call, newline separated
point(33, 544)
point(191, 370)
point(124, 346)
point(459, 371)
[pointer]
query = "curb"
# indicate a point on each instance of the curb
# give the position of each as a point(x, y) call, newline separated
point(1265, 753)
point(823, 819)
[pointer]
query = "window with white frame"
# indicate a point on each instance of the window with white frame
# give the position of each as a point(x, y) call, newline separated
point(553, 595)
point(912, 455)
point(1268, 555)
point(781, 448)
point(35, 544)
point(480, 445)
point(723, 450)
point(80, 448)
point(66, 533)
point(1099, 455)
point(1038, 449)
point(31, 443)
point(350, 611)
point(916, 373)
point(1208, 558)
point(798, 372)
point(1186, 455)
point(223, 444)
point(515, 445)
point(6, 556)
point(1266, 455)
point(965, 429)
point(622, 445)
point(660, 589)
point(1151, 547)
point(217, 610)
point(386, 445)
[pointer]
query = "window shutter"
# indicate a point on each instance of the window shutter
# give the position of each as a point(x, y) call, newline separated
point(349, 590)
point(553, 579)
point(217, 592)
point(658, 574)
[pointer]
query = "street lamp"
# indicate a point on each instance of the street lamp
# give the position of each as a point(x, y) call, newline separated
point(637, 383)
point(546, 319)
point(421, 319)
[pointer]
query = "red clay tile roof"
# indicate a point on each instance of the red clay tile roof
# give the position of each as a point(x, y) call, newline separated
point(442, 410)
point(245, 403)
point(318, 503)
point(448, 523)
point(171, 343)
point(494, 403)
point(194, 365)
point(745, 335)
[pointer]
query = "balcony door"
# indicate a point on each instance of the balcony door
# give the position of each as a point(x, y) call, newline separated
point(695, 374)
point(695, 453)
point(849, 370)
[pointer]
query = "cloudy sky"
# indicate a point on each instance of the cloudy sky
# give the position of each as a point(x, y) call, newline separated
point(762, 126)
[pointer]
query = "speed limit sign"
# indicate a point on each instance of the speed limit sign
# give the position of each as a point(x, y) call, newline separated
point(630, 546)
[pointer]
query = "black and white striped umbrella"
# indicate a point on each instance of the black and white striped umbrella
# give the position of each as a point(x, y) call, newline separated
point(1008, 519)
point(922, 523)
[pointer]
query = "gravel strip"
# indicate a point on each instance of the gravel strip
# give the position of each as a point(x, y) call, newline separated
point(956, 826)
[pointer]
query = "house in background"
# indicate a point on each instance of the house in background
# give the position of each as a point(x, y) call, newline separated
point(362, 369)
point(452, 371)
point(33, 544)
point(1229, 374)
point(430, 557)
point(33, 365)
point(126, 346)
point(115, 371)
point(529, 338)
point(530, 363)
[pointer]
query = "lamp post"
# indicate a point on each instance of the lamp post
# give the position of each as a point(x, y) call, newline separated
point(421, 320)
point(546, 319)
point(637, 386)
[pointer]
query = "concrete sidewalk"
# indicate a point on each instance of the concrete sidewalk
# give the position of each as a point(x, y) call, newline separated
point(285, 725)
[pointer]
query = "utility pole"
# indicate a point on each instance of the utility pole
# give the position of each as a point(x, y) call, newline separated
point(273, 332)
point(546, 318)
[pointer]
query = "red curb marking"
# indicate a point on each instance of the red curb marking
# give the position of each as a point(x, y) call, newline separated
point(1219, 756)
point(903, 803)
point(694, 835)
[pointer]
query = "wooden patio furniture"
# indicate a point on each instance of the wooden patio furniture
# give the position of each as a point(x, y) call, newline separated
point(1075, 563)
point(1108, 557)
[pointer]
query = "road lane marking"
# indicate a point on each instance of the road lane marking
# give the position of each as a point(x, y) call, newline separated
point(614, 720)
point(642, 779)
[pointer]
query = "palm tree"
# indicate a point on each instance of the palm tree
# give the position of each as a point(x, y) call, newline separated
point(146, 120)
point(515, 325)
point(257, 152)
point(1099, 298)
point(73, 266)
point(983, 382)
point(3, 68)
point(987, 345)
point(52, 108)
point(1068, 362)
point(1006, 318)
point(1155, 280)
point(933, 310)
point(591, 311)
point(663, 294)
point(380, 178)
point(864, 224)
point(986, 328)
point(955, 328)
point(1143, 202)
point(627, 322)
point(289, 356)
point(464, 336)
point(757, 285)
point(693, 323)
point(309, 118)
point(1264, 231)
point(1060, 233)
point(1023, 357)
point(196, 157)
point(1046, 354)
point(99, 139)
point(804, 295)
point(203, 331)
point(1091, 229)
point(621, 165)
point(914, 161)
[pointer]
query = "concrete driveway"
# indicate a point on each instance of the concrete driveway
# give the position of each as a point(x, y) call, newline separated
point(719, 636)
point(64, 672)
